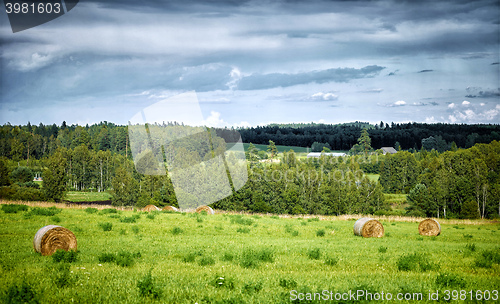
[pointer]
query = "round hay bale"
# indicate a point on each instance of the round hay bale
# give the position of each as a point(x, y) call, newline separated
point(368, 227)
point(170, 208)
point(50, 238)
point(150, 208)
point(207, 209)
point(429, 227)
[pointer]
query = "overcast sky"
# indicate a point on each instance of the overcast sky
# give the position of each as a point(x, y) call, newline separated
point(257, 62)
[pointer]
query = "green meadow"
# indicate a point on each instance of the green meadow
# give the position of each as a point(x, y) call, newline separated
point(127, 256)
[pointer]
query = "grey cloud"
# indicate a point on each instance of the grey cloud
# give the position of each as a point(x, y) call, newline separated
point(425, 71)
point(273, 80)
point(485, 94)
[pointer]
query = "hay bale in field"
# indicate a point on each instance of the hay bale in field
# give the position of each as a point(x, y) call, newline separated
point(429, 227)
point(207, 209)
point(150, 208)
point(368, 227)
point(170, 208)
point(50, 238)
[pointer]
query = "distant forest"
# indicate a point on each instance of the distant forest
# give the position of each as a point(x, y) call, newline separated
point(38, 141)
point(344, 136)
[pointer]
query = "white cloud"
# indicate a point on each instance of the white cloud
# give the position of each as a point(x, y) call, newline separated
point(482, 104)
point(451, 105)
point(214, 120)
point(430, 119)
point(465, 103)
point(400, 103)
point(242, 124)
point(452, 118)
point(324, 96)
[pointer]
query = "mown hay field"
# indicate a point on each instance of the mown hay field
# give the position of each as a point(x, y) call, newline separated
point(127, 256)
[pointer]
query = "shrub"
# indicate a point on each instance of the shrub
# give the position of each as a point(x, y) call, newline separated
point(109, 210)
point(295, 233)
point(222, 282)
point(228, 256)
point(177, 230)
point(14, 208)
point(331, 261)
point(147, 288)
point(106, 226)
point(287, 283)
point(382, 249)
point(22, 293)
point(106, 258)
point(90, 210)
point(314, 254)
point(135, 229)
point(239, 219)
point(243, 230)
point(56, 219)
point(265, 255)
point(204, 261)
point(189, 258)
point(130, 219)
point(62, 276)
point(51, 211)
point(470, 247)
point(320, 233)
point(150, 216)
point(125, 259)
point(248, 259)
point(251, 287)
point(414, 262)
point(64, 256)
point(450, 280)
point(468, 236)
point(487, 259)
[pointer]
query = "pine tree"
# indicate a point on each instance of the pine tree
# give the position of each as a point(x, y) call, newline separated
point(272, 149)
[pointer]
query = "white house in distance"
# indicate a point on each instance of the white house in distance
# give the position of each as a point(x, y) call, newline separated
point(318, 154)
point(389, 150)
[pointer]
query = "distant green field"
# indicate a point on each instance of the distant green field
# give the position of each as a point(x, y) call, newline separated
point(79, 196)
point(225, 258)
point(373, 177)
point(395, 198)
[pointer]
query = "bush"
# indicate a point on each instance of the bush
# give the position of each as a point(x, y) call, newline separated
point(222, 282)
point(150, 216)
point(125, 259)
point(177, 230)
point(64, 256)
point(51, 211)
point(251, 287)
point(130, 219)
point(239, 219)
point(22, 175)
point(147, 288)
point(109, 210)
point(55, 219)
point(314, 254)
point(90, 210)
point(382, 249)
point(287, 283)
point(487, 259)
point(204, 261)
point(14, 208)
point(413, 262)
point(228, 256)
point(320, 232)
point(22, 293)
point(470, 247)
point(331, 261)
point(135, 229)
point(243, 230)
point(450, 280)
point(106, 258)
point(106, 226)
point(62, 276)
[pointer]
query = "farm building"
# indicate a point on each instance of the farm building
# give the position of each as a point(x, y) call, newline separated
point(389, 150)
point(318, 154)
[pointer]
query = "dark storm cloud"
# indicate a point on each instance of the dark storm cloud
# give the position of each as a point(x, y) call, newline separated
point(485, 94)
point(425, 71)
point(274, 80)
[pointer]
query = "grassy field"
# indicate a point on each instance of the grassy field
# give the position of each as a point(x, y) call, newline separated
point(230, 258)
point(80, 196)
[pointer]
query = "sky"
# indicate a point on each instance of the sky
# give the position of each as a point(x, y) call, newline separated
point(257, 62)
